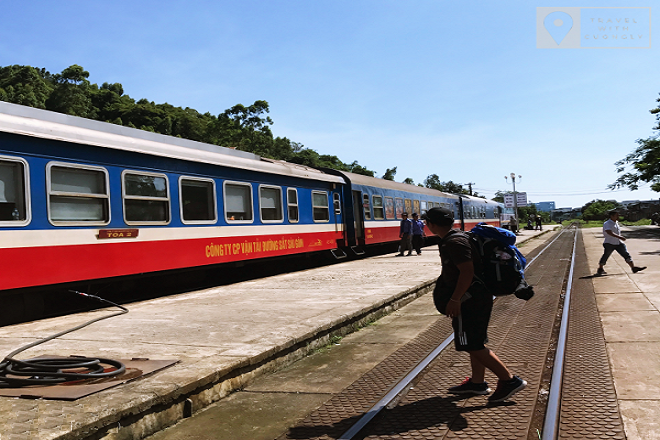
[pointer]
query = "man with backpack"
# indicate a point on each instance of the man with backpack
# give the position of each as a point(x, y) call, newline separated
point(469, 304)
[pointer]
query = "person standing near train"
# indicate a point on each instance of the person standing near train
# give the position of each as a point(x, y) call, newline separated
point(417, 233)
point(405, 234)
point(614, 241)
point(469, 304)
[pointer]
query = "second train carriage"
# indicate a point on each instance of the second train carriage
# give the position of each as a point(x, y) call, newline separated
point(373, 208)
point(82, 200)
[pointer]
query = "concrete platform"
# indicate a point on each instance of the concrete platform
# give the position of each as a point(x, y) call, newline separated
point(222, 337)
point(629, 308)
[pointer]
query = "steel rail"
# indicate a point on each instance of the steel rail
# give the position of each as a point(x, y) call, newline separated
point(398, 388)
point(403, 383)
point(543, 250)
point(551, 422)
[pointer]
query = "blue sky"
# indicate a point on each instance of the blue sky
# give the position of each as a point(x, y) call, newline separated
point(458, 89)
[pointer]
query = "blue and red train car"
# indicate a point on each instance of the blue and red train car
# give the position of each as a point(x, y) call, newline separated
point(376, 205)
point(82, 200)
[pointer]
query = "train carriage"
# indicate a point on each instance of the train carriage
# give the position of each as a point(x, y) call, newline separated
point(84, 200)
point(374, 206)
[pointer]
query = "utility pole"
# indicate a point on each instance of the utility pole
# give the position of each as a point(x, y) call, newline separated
point(470, 186)
point(515, 197)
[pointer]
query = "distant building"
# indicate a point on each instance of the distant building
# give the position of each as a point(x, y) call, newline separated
point(636, 210)
point(545, 206)
point(561, 214)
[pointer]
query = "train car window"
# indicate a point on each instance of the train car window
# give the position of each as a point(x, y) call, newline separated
point(197, 200)
point(320, 206)
point(336, 201)
point(77, 194)
point(423, 205)
point(416, 206)
point(408, 206)
point(270, 203)
point(238, 202)
point(14, 192)
point(379, 212)
point(399, 207)
point(366, 206)
point(146, 198)
point(390, 212)
point(292, 204)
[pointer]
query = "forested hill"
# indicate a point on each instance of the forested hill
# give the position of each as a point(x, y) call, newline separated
point(242, 127)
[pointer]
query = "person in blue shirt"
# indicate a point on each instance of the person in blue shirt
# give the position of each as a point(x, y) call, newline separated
point(417, 233)
point(405, 233)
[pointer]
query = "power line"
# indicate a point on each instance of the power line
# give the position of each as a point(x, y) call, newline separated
point(569, 193)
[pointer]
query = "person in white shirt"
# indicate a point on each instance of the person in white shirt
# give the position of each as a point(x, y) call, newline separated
point(614, 242)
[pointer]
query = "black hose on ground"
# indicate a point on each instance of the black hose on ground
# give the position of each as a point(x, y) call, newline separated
point(16, 373)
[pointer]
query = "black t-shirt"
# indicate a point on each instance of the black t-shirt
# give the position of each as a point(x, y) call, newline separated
point(455, 249)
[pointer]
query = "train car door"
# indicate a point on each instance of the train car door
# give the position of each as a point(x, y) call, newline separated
point(358, 219)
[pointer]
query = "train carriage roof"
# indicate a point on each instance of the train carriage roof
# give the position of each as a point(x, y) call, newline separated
point(28, 121)
point(360, 179)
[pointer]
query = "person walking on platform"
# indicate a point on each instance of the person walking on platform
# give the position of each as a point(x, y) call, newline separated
point(539, 223)
point(614, 241)
point(513, 225)
point(417, 233)
point(469, 304)
point(405, 234)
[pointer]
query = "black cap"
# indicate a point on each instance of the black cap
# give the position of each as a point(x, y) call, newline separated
point(439, 216)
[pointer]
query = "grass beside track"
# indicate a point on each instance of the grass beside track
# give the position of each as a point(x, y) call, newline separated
point(599, 223)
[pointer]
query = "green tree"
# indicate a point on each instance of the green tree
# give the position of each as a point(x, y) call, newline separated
point(245, 128)
point(433, 182)
point(110, 103)
point(25, 85)
point(389, 174)
point(330, 161)
point(643, 164)
point(598, 209)
point(72, 93)
point(499, 196)
point(525, 211)
point(356, 168)
point(409, 181)
point(308, 158)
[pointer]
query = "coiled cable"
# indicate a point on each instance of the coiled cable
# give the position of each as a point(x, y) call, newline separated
point(50, 371)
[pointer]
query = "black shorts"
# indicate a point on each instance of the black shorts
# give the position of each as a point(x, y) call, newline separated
point(471, 326)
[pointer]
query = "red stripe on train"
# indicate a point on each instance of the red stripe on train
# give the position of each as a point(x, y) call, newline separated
point(37, 266)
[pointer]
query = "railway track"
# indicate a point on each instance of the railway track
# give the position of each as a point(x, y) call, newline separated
point(552, 346)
